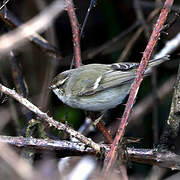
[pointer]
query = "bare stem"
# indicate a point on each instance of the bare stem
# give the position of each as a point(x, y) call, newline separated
point(75, 32)
point(143, 156)
point(110, 157)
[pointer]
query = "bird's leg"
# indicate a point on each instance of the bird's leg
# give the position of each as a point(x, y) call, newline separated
point(98, 123)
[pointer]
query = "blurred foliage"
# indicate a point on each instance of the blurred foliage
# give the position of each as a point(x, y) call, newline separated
point(68, 115)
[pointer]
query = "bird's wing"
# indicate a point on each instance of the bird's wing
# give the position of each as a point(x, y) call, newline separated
point(115, 79)
point(85, 82)
point(108, 80)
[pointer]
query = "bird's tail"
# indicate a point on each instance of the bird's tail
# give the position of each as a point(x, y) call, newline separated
point(156, 62)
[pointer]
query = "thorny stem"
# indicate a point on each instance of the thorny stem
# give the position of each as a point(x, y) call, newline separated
point(110, 157)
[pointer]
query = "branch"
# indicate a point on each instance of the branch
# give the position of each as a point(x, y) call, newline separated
point(49, 120)
point(109, 46)
point(36, 39)
point(135, 36)
point(140, 17)
point(4, 4)
point(75, 32)
point(151, 156)
point(110, 157)
point(66, 148)
point(29, 29)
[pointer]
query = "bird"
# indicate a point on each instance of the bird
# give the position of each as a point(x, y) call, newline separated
point(98, 87)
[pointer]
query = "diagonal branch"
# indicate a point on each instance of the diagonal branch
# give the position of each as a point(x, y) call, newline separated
point(110, 157)
point(9, 18)
point(39, 23)
point(49, 120)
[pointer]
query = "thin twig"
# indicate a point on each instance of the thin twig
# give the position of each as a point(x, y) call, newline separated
point(107, 47)
point(135, 36)
point(110, 157)
point(92, 4)
point(104, 132)
point(75, 32)
point(140, 17)
point(4, 4)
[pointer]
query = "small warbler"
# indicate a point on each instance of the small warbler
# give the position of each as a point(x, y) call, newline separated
point(98, 87)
